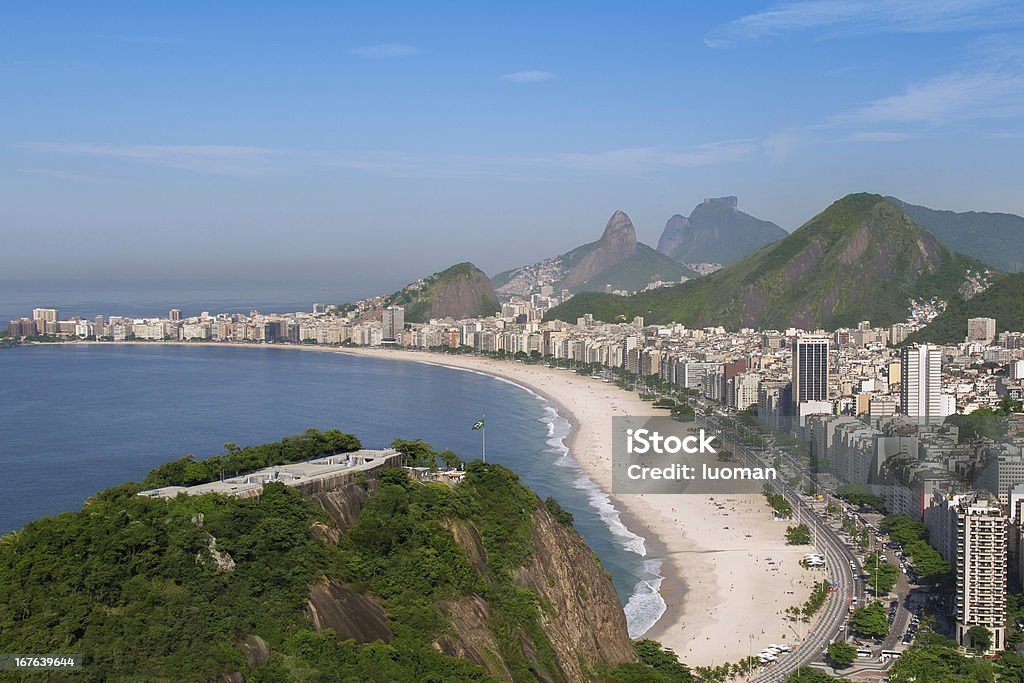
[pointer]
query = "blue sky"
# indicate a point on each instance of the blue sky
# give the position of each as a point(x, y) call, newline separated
point(374, 142)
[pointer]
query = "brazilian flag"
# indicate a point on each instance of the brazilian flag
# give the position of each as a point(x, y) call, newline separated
point(479, 424)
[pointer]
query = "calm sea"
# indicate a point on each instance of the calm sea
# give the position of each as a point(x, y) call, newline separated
point(77, 419)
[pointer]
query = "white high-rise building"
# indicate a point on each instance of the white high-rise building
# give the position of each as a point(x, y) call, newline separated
point(810, 369)
point(921, 382)
point(981, 570)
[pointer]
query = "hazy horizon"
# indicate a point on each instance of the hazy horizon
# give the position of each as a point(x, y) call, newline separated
point(354, 149)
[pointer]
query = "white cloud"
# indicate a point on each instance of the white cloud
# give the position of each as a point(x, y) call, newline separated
point(406, 166)
point(880, 136)
point(216, 159)
point(384, 51)
point(529, 76)
point(629, 160)
point(946, 99)
point(633, 159)
point(781, 145)
point(845, 17)
point(75, 177)
point(1004, 135)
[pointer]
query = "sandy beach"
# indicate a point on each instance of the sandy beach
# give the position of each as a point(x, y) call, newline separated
point(728, 574)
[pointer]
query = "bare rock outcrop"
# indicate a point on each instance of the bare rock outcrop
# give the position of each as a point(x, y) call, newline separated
point(617, 243)
point(352, 616)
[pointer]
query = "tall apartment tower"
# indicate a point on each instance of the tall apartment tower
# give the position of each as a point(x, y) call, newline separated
point(45, 320)
point(393, 321)
point(921, 381)
point(981, 570)
point(981, 330)
point(810, 369)
point(174, 315)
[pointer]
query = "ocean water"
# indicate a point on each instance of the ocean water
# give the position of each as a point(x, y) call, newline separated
point(77, 419)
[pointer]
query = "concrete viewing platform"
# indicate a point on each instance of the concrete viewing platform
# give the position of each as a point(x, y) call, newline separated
point(314, 475)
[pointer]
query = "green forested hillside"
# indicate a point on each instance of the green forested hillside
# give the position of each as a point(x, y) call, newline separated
point(128, 583)
point(152, 589)
point(645, 266)
point(995, 238)
point(461, 291)
point(1004, 301)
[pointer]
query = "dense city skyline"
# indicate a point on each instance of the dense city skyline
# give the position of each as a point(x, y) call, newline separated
point(239, 140)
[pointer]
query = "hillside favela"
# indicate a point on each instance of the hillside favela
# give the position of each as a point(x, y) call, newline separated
point(669, 344)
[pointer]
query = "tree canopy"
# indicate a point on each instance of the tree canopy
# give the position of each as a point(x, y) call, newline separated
point(871, 620)
point(842, 653)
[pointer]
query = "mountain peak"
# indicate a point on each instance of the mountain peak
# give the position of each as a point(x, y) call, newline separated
point(731, 201)
point(461, 291)
point(617, 244)
point(716, 232)
point(619, 224)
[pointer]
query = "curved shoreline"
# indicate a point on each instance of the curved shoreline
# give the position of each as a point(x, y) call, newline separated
point(668, 577)
point(739, 574)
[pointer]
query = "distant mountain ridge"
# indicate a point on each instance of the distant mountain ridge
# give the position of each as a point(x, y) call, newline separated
point(995, 238)
point(461, 291)
point(716, 232)
point(616, 260)
point(862, 258)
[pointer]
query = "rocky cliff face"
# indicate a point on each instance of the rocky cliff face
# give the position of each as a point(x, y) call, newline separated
point(581, 616)
point(617, 244)
point(466, 296)
point(674, 235)
point(585, 621)
point(582, 619)
point(462, 291)
point(350, 615)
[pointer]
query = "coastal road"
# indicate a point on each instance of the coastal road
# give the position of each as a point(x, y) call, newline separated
point(837, 564)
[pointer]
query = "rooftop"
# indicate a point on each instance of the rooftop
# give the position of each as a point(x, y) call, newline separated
point(292, 474)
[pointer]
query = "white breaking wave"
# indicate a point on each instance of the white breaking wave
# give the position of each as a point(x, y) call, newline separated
point(645, 605)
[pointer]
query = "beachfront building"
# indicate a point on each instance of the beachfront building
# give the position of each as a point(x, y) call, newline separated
point(393, 323)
